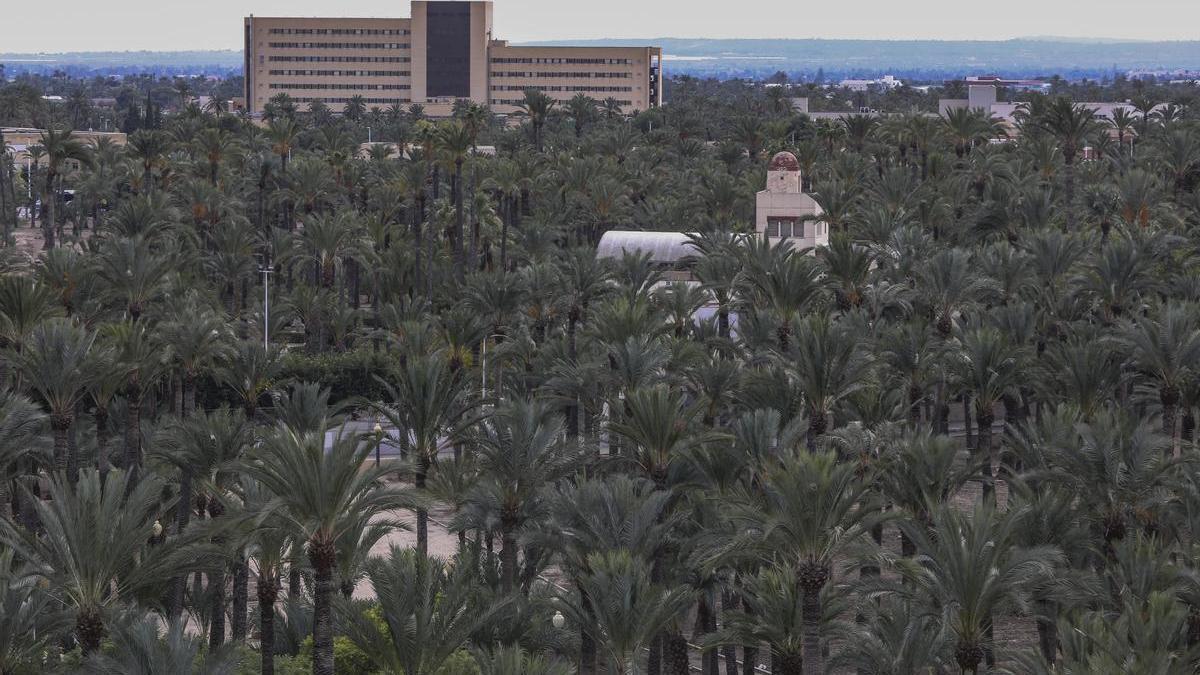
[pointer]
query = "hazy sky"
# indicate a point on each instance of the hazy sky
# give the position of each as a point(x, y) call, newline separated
point(73, 25)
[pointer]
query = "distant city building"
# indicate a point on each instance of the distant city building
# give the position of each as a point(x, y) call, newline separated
point(886, 82)
point(20, 139)
point(444, 53)
point(983, 97)
point(1017, 85)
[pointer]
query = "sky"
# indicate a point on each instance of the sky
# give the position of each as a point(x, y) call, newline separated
point(124, 25)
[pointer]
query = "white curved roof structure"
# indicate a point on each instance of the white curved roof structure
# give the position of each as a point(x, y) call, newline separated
point(666, 248)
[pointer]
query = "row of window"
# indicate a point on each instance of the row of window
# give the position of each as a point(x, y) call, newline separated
point(339, 31)
point(344, 73)
point(784, 229)
point(338, 45)
point(591, 62)
point(343, 99)
point(339, 59)
point(573, 76)
point(585, 88)
point(519, 101)
point(324, 85)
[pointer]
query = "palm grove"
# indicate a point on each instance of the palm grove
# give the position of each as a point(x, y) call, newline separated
point(960, 438)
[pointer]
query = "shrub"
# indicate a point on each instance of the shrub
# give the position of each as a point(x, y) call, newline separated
point(347, 374)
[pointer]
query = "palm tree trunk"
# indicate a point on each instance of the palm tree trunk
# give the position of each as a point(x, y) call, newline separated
point(322, 554)
point(216, 582)
point(789, 664)
point(422, 514)
point(61, 425)
point(89, 627)
point(1169, 415)
point(508, 558)
point(183, 515)
point(587, 645)
point(6, 511)
point(1047, 630)
point(1069, 192)
point(749, 651)
point(729, 604)
point(654, 658)
point(984, 417)
point(216, 627)
point(241, 593)
point(267, 593)
point(504, 223)
point(675, 653)
point(459, 249)
point(101, 419)
point(706, 622)
point(133, 435)
point(49, 223)
point(810, 614)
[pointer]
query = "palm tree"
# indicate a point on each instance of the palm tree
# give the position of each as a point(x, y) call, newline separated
point(581, 108)
point(138, 649)
point(1123, 122)
point(205, 447)
point(520, 453)
point(919, 476)
point(429, 611)
point(455, 142)
point(896, 638)
point(56, 364)
point(139, 363)
point(150, 147)
point(24, 304)
point(1165, 350)
point(60, 146)
point(828, 368)
point(990, 369)
point(429, 407)
point(96, 550)
point(133, 273)
point(21, 422)
point(514, 660)
point(808, 511)
point(198, 343)
point(624, 609)
point(536, 105)
point(659, 430)
point(772, 617)
point(1071, 125)
point(320, 492)
point(597, 516)
point(31, 620)
point(967, 569)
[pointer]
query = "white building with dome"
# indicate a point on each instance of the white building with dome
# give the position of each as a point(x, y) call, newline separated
point(783, 212)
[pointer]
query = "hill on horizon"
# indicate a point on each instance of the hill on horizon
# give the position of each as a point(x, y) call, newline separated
point(736, 57)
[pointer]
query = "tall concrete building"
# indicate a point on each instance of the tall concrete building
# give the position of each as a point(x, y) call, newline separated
point(444, 53)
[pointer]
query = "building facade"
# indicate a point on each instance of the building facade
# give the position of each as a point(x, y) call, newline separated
point(443, 53)
point(783, 212)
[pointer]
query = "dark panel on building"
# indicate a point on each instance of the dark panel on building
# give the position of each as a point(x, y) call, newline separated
point(448, 49)
point(248, 65)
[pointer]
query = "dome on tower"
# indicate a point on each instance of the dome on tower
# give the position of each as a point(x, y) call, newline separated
point(784, 161)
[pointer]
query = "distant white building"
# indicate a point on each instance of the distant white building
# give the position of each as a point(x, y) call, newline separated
point(885, 82)
point(983, 97)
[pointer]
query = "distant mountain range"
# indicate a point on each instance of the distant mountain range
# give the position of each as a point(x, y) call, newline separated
point(920, 59)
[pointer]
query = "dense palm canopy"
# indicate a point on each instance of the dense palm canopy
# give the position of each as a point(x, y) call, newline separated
point(962, 436)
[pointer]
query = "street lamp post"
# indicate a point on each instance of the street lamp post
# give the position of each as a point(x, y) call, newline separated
point(378, 442)
point(266, 271)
